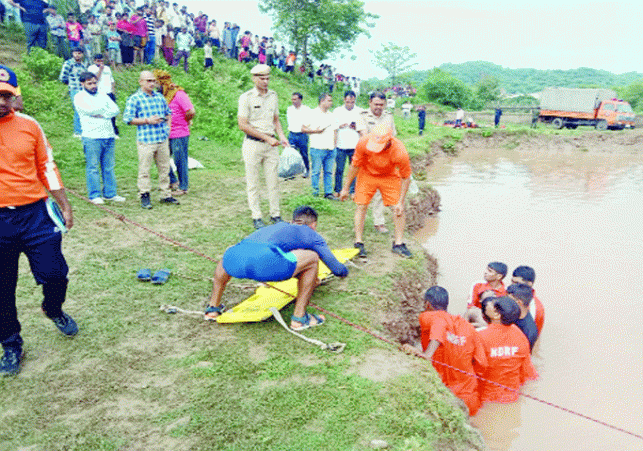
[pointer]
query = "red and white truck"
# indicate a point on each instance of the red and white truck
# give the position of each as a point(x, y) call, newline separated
point(599, 108)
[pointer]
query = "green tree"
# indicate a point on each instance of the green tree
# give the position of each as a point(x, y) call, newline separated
point(318, 28)
point(488, 89)
point(394, 59)
point(443, 88)
point(633, 93)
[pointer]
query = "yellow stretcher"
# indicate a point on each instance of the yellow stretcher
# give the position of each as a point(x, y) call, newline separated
point(256, 307)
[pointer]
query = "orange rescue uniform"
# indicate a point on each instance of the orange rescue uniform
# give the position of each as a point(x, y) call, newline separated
point(507, 351)
point(459, 346)
point(480, 288)
point(538, 312)
point(27, 166)
point(383, 170)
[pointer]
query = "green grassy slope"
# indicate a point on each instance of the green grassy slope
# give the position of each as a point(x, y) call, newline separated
point(138, 379)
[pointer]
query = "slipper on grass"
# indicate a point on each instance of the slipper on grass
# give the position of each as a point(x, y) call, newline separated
point(161, 276)
point(144, 275)
point(305, 321)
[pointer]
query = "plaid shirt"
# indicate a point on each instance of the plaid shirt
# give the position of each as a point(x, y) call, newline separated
point(70, 72)
point(141, 105)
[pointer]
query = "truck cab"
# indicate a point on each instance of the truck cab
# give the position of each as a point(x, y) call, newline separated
point(616, 114)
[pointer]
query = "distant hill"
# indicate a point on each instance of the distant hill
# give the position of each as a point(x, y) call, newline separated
point(525, 81)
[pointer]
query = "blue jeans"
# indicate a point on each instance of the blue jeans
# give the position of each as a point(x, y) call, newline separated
point(321, 158)
point(60, 44)
point(150, 47)
point(177, 57)
point(77, 129)
point(340, 162)
point(36, 34)
point(179, 149)
point(99, 160)
point(300, 142)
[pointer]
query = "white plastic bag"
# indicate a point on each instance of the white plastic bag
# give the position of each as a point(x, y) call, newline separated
point(413, 187)
point(290, 163)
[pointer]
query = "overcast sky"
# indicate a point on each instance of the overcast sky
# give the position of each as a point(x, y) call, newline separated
point(541, 34)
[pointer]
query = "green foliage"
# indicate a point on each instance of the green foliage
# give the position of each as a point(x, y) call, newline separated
point(44, 65)
point(525, 81)
point(488, 89)
point(443, 88)
point(633, 93)
point(318, 28)
point(394, 59)
point(449, 147)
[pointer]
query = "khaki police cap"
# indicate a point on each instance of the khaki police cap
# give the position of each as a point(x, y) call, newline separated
point(260, 69)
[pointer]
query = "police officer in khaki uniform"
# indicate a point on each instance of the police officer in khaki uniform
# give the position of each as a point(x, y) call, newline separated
point(258, 118)
point(371, 117)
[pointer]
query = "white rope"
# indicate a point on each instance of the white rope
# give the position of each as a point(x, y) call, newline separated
point(172, 309)
point(332, 347)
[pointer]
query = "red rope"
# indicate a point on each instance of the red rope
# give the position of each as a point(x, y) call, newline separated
point(122, 218)
point(359, 327)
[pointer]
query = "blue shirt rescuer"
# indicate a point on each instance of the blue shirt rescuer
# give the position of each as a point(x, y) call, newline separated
point(279, 252)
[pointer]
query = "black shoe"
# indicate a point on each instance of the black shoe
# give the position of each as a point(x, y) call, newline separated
point(65, 324)
point(145, 201)
point(400, 249)
point(331, 197)
point(258, 223)
point(170, 200)
point(362, 251)
point(10, 362)
point(276, 219)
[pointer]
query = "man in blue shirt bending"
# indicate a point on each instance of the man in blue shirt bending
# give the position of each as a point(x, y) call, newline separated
point(279, 252)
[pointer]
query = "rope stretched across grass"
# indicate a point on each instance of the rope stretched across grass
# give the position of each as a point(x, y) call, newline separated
point(172, 309)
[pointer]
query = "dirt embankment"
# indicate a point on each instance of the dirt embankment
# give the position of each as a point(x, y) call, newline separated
point(626, 141)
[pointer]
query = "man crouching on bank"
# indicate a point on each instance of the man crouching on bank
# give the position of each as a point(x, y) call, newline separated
point(279, 252)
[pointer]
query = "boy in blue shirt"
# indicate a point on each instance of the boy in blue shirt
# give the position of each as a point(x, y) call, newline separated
point(522, 295)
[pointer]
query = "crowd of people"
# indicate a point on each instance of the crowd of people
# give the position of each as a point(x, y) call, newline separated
point(127, 34)
point(492, 341)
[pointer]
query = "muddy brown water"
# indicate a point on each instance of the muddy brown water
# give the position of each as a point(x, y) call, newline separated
point(577, 218)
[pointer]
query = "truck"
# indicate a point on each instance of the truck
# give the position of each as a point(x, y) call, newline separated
point(571, 107)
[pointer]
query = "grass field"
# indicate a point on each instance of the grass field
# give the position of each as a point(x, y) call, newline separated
point(136, 378)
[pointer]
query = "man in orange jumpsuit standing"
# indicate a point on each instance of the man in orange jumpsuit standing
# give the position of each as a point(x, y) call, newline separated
point(380, 163)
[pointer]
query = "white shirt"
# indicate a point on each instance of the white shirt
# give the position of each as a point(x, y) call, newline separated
point(99, 104)
point(106, 78)
point(347, 137)
point(159, 32)
point(296, 117)
point(318, 119)
point(184, 41)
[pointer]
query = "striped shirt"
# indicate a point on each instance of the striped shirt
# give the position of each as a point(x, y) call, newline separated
point(141, 105)
point(151, 25)
point(70, 72)
point(27, 167)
